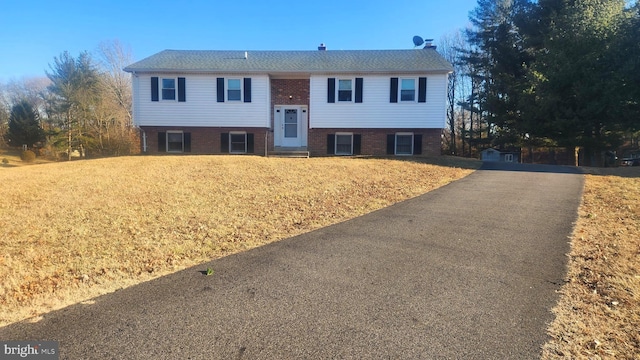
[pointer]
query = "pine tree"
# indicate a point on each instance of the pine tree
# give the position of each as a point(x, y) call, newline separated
point(501, 64)
point(74, 82)
point(579, 69)
point(24, 126)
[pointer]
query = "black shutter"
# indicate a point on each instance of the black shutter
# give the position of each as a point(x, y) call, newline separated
point(393, 94)
point(331, 90)
point(358, 90)
point(250, 148)
point(391, 144)
point(154, 88)
point(181, 90)
point(224, 142)
point(187, 142)
point(247, 89)
point(331, 144)
point(357, 144)
point(417, 144)
point(422, 89)
point(220, 89)
point(162, 141)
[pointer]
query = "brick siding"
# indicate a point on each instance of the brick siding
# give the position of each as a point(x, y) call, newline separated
point(374, 141)
point(204, 140)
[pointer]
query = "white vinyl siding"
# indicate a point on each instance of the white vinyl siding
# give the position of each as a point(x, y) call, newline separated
point(201, 107)
point(376, 111)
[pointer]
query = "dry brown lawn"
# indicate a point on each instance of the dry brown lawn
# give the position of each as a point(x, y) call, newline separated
point(598, 315)
point(72, 231)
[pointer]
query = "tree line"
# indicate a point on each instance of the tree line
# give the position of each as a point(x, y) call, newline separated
point(545, 74)
point(82, 106)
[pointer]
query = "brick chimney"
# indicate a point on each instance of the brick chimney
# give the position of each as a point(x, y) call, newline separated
point(428, 44)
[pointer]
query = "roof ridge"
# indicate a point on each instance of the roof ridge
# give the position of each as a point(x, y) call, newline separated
point(294, 61)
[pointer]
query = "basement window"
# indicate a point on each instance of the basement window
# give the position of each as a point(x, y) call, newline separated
point(175, 141)
point(344, 144)
point(237, 142)
point(404, 143)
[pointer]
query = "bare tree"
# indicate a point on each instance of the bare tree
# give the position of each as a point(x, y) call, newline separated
point(4, 116)
point(450, 47)
point(115, 120)
point(113, 57)
point(30, 89)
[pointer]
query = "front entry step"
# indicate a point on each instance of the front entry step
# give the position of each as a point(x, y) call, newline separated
point(289, 152)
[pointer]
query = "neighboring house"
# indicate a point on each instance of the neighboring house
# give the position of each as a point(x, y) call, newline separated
point(373, 102)
point(492, 154)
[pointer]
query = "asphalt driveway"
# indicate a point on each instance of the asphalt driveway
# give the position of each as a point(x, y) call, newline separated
point(466, 271)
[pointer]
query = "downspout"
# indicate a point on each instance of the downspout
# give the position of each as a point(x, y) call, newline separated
point(144, 141)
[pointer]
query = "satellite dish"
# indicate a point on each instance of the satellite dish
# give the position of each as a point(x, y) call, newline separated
point(417, 41)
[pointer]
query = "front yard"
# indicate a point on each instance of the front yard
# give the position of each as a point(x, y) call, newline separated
point(71, 231)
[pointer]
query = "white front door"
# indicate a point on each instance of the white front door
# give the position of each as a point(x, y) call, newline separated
point(290, 127)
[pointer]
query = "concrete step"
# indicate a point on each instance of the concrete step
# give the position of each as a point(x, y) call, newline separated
point(289, 154)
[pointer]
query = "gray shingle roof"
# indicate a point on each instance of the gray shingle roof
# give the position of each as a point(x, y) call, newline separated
point(272, 62)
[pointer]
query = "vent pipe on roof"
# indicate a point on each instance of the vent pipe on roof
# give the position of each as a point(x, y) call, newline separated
point(322, 47)
point(246, 55)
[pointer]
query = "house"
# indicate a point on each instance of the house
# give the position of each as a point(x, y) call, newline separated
point(494, 155)
point(326, 102)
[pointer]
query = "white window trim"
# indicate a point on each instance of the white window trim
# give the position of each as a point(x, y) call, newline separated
point(335, 145)
point(175, 89)
point(231, 145)
point(226, 90)
point(508, 157)
point(415, 90)
point(353, 90)
point(167, 140)
point(395, 150)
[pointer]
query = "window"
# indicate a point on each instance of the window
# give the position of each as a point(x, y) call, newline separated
point(168, 89)
point(404, 144)
point(234, 90)
point(407, 90)
point(175, 141)
point(344, 144)
point(508, 157)
point(344, 90)
point(238, 142)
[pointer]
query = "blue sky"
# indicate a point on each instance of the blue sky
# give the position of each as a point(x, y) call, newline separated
point(35, 31)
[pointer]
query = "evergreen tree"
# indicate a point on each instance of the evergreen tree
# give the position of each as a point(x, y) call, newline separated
point(579, 91)
point(75, 85)
point(501, 61)
point(24, 126)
